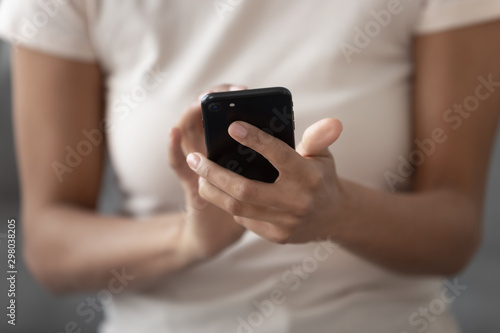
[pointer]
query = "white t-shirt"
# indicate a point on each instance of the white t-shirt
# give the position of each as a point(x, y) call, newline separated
point(345, 59)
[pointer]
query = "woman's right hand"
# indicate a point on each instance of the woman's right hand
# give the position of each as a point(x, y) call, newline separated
point(207, 229)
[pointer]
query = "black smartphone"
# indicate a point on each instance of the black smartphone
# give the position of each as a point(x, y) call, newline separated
point(270, 109)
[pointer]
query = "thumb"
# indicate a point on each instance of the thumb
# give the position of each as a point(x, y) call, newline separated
point(319, 136)
point(177, 159)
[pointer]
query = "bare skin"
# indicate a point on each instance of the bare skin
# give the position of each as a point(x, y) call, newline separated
point(68, 246)
point(433, 230)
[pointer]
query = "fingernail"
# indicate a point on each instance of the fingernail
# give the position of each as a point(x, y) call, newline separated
point(200, 180)
point(193, 160)
point(237, 87)
point(238, 130)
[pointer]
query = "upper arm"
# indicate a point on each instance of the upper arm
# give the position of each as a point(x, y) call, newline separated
point(451, 69)
point(54, 101)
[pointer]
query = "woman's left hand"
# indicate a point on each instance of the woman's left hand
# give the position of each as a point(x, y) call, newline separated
point(300, 206)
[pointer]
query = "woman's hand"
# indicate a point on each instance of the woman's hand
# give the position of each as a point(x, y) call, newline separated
point(207, 229)
point(302, 204)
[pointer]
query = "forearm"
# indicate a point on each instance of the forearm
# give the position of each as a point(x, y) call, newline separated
point(71, 249)
point(432, 232)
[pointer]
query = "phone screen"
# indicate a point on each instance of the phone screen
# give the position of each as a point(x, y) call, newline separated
point(270, 109)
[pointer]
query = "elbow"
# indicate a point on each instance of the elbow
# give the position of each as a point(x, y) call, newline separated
point(450, 253)
point(462, 253)
point(444, 260)
point(45, 271)
point(462, 236)
point(45, 256)
point(463, 243)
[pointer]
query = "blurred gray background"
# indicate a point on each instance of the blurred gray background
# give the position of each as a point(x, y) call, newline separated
point(477, 309)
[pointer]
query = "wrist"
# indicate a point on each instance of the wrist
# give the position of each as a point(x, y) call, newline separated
point(176, 245)
point(343, 211)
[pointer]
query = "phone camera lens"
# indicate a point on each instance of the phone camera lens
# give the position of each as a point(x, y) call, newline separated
point(214, 107)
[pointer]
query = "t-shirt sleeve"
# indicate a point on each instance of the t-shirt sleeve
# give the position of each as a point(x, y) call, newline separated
point(441, 15)
point(57, 27)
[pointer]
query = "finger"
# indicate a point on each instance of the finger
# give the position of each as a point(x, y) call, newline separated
point(237, 186)
point(238, 208)
point(176, 158)
point(319, 136)
point(276, 151)
point(191, 126)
